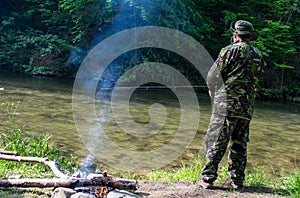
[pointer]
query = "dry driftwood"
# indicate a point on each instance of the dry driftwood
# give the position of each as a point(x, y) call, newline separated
point(8, 152)
point(51, 164)
point(62, 180)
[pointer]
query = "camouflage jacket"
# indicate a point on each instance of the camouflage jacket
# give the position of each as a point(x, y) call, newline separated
point(233, 79)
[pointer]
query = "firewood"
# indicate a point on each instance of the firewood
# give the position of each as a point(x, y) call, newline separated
point(41, 183)
point(62, 180)
point(123, 184)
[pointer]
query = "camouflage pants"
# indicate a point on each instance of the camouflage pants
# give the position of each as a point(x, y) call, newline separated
point(223, 130)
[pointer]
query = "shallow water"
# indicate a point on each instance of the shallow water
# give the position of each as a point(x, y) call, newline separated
point(45, 106)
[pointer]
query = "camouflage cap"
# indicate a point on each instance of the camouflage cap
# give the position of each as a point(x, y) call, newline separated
point(242, 27)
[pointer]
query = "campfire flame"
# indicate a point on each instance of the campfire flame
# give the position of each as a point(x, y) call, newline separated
point(101, 192)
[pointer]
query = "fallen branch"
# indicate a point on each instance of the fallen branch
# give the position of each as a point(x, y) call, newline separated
point(51, 164)
point(8, 152)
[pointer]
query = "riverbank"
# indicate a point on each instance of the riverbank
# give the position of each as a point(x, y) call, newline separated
point(164, 189)
point(255, 186)
point(170, 189)
point(182, 182)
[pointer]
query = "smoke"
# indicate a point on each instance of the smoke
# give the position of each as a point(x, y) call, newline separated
point(76, 57)
point(87, 167)
point(128, 14)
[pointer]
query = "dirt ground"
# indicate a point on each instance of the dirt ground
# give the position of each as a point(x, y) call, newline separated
point(167, 189)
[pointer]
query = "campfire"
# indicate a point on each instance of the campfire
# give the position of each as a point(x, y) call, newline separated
point(97, 184)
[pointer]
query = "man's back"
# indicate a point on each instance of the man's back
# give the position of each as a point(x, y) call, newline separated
point(239, 65)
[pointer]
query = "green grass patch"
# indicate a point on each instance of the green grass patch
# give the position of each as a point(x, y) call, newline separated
point(185, 172)
point(291, 185)
point(256, 176)
point(288, 185)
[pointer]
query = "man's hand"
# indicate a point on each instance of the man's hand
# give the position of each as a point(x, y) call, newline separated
point(211, 94)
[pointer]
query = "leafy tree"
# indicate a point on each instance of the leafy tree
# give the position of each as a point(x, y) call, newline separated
point(279, 45)
point(38, 36)
point(83, 17)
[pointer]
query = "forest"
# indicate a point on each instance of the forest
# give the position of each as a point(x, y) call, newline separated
point(52, 37)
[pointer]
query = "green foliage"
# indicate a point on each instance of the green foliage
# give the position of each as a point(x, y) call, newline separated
point(43, 52)
point(13, 138)
point(292, 185)
point(276, 40)
point(257, 177)
point(36, 36)
point(185, 172)
point(82, 16)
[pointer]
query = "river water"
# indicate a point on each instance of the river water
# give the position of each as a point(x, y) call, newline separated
point(45, 106)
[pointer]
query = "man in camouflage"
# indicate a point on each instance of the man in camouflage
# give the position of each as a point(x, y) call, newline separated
point(232, 81)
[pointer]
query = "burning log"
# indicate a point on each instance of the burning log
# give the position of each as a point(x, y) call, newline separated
point(40, 183)
point(62, 179)
point(123, 184)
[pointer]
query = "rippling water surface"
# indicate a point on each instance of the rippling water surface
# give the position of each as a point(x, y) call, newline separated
point(45, 106)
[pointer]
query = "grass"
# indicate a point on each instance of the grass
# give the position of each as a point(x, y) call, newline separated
point(291, 184)
point(13, 138)
point(185, 172)
point(12, 194)
point(288, 185)
point(257, 177)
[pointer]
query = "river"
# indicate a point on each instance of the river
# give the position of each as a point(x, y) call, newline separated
point(45, 106)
